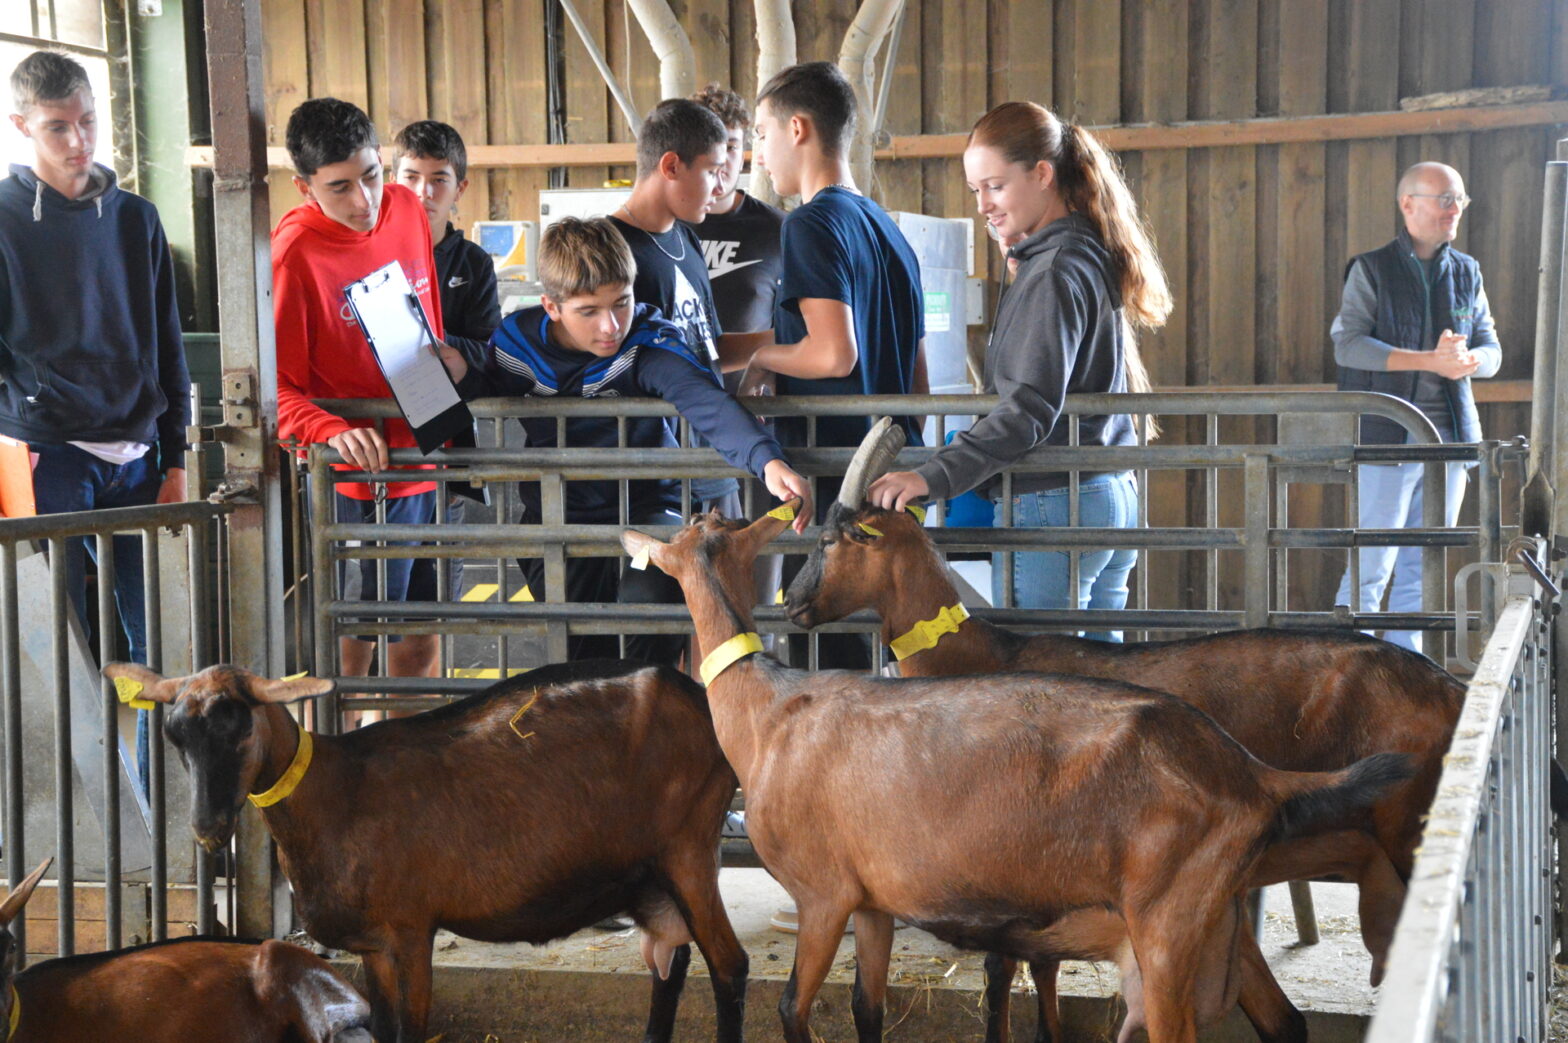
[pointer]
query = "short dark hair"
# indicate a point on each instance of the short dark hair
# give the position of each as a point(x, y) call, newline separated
point(46, 76)
point(677, 125)
point(579, 257)
point(725, 104)
point(432, 139)
point(323, 131)
point(818, 91)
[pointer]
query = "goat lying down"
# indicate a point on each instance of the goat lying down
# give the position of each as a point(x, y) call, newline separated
point(190, 990)
point(1300, 700)
point(522, 813)
point(1006, 812)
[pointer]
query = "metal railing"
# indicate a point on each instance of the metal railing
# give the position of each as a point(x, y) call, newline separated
point(1263, 542)
point(52, 694)
point(1471, 958)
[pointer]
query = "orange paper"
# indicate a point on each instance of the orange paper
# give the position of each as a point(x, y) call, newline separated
point(16, 479)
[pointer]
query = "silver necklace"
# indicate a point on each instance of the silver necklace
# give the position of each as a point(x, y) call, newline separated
point(655, 236)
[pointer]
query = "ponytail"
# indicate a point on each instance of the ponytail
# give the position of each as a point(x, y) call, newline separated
point(1090, 182)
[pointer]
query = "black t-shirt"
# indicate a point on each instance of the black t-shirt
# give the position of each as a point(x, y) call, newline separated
point(672, 276)
point(843, 247)
point(745, 259)
point(470, 311)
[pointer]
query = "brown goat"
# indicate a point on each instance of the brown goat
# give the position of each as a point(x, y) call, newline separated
point(522, 813)
point(190, 990)
point(996, 812)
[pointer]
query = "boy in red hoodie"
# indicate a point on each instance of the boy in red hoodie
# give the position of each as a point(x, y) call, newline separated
point(349, 225)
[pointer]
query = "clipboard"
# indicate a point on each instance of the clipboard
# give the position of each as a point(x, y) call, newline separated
point(393, 321)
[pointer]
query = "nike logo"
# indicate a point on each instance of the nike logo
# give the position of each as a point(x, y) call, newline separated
point(455, 281)
point(725, 267)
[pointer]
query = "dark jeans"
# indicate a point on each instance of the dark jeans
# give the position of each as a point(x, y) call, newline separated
point(66, 479)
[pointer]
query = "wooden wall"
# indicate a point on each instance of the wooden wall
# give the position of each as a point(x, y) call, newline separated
point(1254, 237)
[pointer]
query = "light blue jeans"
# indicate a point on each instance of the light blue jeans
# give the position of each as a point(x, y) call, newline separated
point(1040, 578)
point(1391, 498)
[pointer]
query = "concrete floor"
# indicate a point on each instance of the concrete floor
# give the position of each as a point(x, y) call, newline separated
point(592, 986)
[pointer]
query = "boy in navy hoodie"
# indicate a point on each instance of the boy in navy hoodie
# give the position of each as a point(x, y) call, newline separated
point(587, 339)
point(98, 391)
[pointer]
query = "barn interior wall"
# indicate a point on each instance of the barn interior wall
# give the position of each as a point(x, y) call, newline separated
point(1254, 237)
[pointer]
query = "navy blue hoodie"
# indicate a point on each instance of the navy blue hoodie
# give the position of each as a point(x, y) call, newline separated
point(653, 361)
point(90, 346)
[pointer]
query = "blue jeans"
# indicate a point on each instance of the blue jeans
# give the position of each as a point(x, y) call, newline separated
point(1040, 578)
point(1390, 497)
point(408, 579)
point(70, 479)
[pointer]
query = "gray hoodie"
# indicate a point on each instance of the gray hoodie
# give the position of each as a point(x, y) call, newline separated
point(1058, 331)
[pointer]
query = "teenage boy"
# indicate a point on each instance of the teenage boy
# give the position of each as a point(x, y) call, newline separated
point(740, 235)
point(588, 338)
point(850, 317)
point(680, 156)
point(349, 225)
point(93, 373)
point(432, 163)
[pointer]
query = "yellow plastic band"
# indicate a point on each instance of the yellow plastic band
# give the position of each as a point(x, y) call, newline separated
point(127, 690)
point(296, 677)
point(728, 654)
point(529, 705)
point(291, 777)
point(926, 633)
point(640, 559)
point(868, 530)
point(918, 511)
point(783, 513)
point(16, 1014)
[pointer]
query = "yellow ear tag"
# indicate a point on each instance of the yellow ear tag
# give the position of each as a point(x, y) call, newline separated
point(296, 677)
point(127, 690)
point(640, 559)
point(918, 511)
point(783, 513)
point(868, 530)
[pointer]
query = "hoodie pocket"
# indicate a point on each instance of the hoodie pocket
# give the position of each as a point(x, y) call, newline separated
point(95, 395)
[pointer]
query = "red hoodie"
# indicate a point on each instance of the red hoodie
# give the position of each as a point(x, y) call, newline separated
point(321, 352)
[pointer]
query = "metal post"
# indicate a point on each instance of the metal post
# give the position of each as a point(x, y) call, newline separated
point(1256, 481)
point(11, 683)
point(111, 742)
point(157, 789)
point(242, 219)
point(65, 840)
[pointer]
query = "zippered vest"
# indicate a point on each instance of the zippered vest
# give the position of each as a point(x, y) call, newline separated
point(1402, 297)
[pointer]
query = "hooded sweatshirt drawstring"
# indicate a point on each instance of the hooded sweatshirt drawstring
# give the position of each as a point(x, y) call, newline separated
point(38, 202)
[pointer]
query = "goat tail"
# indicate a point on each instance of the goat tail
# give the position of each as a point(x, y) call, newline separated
point(1316, 802)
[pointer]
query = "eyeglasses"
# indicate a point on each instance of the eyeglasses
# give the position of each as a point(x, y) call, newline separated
point(1446, 200)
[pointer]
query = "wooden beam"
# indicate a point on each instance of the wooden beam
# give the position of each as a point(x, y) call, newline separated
point(1146, 137)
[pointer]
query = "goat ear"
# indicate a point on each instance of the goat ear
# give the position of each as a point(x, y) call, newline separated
point(643, 548)
point(288, 689)
point(774, 522)
point(154, 686)
point(24, 890)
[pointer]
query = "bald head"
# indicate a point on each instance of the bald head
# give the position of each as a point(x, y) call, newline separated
point(1427, 177)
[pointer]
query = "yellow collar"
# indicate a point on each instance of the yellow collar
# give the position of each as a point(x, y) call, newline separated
point(728, 654)
point(16, 1014)
point(291, 777)
point(926, 633)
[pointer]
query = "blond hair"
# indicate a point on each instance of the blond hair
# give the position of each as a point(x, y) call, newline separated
point(578, 257)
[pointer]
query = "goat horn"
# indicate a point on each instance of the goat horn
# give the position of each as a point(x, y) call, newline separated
point(876, 454)
point(18, 898)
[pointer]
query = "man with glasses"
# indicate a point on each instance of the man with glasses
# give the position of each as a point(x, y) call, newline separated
point(1413, 323)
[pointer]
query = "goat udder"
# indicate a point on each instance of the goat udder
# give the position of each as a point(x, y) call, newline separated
point(663, 933)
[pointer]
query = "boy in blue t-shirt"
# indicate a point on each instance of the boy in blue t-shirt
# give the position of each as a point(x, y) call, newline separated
point(588, 339)
point(850, 317)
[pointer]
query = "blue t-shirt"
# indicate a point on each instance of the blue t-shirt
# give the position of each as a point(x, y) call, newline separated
point(843, 247)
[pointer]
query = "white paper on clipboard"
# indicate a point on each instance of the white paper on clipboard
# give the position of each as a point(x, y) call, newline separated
point(394, 323)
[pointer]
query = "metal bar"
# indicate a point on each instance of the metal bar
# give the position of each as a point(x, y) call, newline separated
point(11, 684)
point(323, 587)
point(1256, 545)
point(65, 841)
point(46, 44)
point(111, 741)
point(201, 657)
point(157, 782)
point(90, 523)
point(885, 88)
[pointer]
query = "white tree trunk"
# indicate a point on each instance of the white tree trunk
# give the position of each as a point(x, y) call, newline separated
point(775, 53)
point(857, 60)
point(677, 62)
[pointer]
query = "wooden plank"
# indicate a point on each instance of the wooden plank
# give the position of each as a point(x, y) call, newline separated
point(1022, 41)
point(631, 57)
point(516, 112)
point(286, 71)
point(1096, 45)
point(900, 184)
point(395, 41)
point(707, 24)
point(454, 36)
point(336, 45)
point(587, 98)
